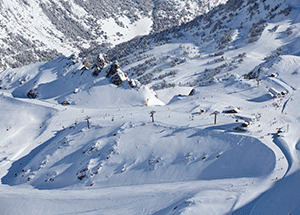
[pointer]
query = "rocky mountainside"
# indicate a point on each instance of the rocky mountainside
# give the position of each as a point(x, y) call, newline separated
point(223, 40)
point(40, 30)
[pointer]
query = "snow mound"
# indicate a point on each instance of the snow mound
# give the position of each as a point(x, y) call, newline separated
point(139, 154)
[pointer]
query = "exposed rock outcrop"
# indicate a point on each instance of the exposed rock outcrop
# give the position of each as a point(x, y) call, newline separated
point(117, 76)
point(102, 60)
point(32, 94)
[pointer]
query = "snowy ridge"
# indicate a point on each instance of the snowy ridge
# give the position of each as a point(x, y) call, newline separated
point(223, 40)
point(73, 83)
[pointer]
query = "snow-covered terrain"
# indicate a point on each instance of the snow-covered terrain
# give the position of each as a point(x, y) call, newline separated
point(39, 30)
point(141, 138)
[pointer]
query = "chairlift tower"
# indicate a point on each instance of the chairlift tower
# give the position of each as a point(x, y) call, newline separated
point(215, 113)
point(87, 118)
point(152, 115)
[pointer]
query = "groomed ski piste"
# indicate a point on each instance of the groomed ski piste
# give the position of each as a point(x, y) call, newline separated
point(83, 145)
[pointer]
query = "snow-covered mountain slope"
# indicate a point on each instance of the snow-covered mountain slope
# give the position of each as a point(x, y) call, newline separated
point(39, 30)
point(91, 140)
point(72, 83)
point(180, 164)
point(237, 36)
